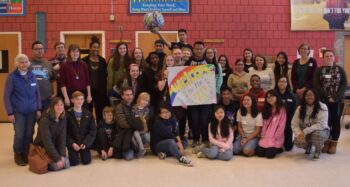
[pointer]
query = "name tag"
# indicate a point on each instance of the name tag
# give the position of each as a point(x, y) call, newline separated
point(310, 64)
point(261, 99)
point(244, 122)
point(289, 100)
point(39, 78)
point(223, 74)
point(33, 84)
point(328, 76)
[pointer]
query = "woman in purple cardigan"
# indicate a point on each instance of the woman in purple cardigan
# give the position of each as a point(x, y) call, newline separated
point(303, 70)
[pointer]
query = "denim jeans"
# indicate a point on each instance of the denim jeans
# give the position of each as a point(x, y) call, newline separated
point(129, 155)
point(214, 153)
point(53, 165)
point(24, 130)
point(141, 139)
point(250, 145)
point(168, 147)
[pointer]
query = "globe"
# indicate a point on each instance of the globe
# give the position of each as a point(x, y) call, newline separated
point(153, 19)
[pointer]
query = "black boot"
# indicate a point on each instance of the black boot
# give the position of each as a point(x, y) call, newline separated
point(19, 159)
point(25, 158)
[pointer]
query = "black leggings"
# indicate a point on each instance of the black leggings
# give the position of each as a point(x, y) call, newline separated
point(334, 114)
point(270, 152)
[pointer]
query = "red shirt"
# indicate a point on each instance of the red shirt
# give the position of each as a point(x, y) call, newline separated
point(74, 76)
point(259, 98)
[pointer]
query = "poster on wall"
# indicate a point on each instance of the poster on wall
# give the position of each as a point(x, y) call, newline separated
point(163, 6)
point(317, 15)
point(192, 85)
point(12, 7)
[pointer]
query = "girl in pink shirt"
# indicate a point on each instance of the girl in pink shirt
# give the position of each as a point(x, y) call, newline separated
point(220, 137)
point(272, 134)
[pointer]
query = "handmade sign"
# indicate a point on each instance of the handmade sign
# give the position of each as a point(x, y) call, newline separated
point(192, 85)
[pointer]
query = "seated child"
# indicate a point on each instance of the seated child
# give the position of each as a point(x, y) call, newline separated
point(143, 110)
point(165, 137)
point(220, 137)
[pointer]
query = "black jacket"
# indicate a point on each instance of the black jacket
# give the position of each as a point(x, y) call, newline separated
point(163, 129)
point(52, 136)
point(85, 133)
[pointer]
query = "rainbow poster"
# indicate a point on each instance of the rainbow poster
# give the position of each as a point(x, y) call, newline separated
point(192, 85)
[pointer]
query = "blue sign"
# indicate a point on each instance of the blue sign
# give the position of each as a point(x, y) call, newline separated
point(163, 6)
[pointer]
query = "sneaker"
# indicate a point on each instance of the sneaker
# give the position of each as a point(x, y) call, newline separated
point(200, 155)
point(316, 156)
point(141, 153)
point(161, 155)
point(19, 159)
point(198, 148)
point(185, 161)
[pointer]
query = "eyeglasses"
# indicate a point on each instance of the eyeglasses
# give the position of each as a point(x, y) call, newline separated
point(38, 49)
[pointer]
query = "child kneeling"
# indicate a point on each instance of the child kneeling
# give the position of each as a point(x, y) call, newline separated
point(106, 131)
point(81, 131)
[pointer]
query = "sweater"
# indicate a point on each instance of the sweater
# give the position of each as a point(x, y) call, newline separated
point(52, 136)
point(21, 93)
point(330, 81)
point(74, 76)
point(312, 66)
point(239, 84)
point(218, 140)
point(272, 133)
point(309, 125)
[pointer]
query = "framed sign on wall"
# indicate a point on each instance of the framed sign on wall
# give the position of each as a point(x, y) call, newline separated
point(12, 7)
point(163, 6)
point(318, 15)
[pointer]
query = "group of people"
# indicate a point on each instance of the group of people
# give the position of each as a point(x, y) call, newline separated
point(122, 106)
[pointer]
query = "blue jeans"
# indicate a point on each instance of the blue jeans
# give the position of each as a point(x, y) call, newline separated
point(128, 155)
point(24, 130)
point(168, 147)
point(53, 165)
point(250, 145)
point(214, 153)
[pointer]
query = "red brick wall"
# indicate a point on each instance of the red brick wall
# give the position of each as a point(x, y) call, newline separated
point(263, 26)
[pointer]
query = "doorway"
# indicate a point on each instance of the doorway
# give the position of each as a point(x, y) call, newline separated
point(145, 40)
point(10, 46)
point(83, 39)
